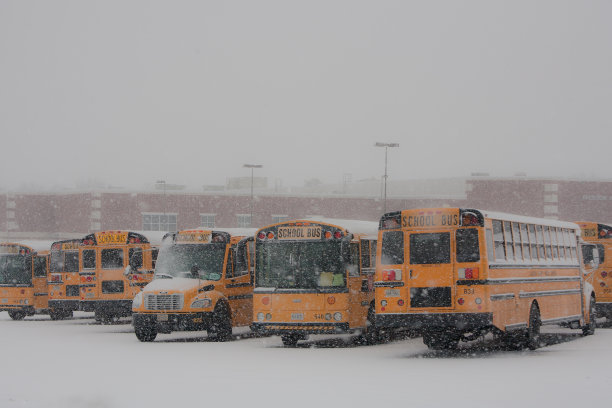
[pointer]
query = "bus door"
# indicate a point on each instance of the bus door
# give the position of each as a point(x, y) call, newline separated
point(239, 282)
point(39, 281)
point(357, 299)
point(110, 280)
point(429, 269)
point(89, 265)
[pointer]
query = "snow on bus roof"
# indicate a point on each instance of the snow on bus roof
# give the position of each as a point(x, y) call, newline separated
point(36, 244)
point(234, 232)
point(529, 220)
point(353, 226)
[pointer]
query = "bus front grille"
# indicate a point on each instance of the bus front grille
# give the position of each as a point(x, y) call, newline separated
point(163, 302)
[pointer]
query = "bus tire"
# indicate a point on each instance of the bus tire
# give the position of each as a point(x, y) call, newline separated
point(290, 340)
point(145, 333)
point(56, 314)
point(372, 334)
point(17, 314)
point(221, 326)
point(532, 337)
point(441, 340)
point(589, 329)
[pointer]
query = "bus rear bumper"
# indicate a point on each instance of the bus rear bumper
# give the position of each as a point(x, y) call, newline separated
point(64, 304)
point(304, 328)
point(434, 321)
point(603, 309)
point(169, 322)
point(120, 307)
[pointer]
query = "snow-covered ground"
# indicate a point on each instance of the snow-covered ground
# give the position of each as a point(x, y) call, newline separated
point(78, 363)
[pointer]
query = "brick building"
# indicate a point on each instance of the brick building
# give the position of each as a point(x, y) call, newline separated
point(59, 215)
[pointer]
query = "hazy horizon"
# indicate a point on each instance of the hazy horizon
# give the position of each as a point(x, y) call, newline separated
point(124, 93)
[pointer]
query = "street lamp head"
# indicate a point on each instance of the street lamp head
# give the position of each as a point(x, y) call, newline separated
point(380, 144)
point(252, 166)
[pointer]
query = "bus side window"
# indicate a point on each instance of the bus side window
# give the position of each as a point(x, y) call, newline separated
point(490, 245)
point(353, 265)
point(229, 269)
point(251, 245)
point(89, 259)
point(373, 253)
point(241, 267)
point(135, 260)
point(40, 267)
point(154, 254)
point(365, 253)
point(602, 256)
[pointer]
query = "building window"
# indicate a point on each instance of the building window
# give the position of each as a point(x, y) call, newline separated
point(551, 198)
point(207, 220)
point(551, 209)
point(552, 188)
point(159, 222)
point(276, 218)
point(244, 220)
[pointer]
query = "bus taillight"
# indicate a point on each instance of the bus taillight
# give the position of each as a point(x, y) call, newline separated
point(467, 273)
point(338, 234)
point(391, 274)
point(270, 235)
point(261, 235)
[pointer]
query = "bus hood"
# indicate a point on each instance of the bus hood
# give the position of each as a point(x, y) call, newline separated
point(175, 284)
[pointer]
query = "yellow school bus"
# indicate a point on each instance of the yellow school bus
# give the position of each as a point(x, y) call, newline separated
point(455, 274)
point(203, 281)
point(107, 286)
point(23, 279)
point(601, 278)
point(314, 277)
point(64, 279)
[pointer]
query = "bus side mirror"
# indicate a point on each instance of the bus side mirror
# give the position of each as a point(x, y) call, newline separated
point(127, 270)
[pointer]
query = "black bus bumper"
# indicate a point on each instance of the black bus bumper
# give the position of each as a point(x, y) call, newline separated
point(169, 322)
point(435, 321)
point(302, 328)
point(603, 309)
point(121, 307)
point(64, 304)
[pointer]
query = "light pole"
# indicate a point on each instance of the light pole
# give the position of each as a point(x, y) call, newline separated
point(252, 166)
point(386, 146)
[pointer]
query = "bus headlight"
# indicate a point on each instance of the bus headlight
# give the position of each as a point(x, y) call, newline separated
point(337, 316)
point(260, 317)
point(137, 301)
point(201, 303)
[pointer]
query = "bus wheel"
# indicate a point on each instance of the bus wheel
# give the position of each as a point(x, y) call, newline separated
point(589, 329)
point(290, 340)
point(145, 333)
point(221, 326)
point(16, 314)
point(56, 314)
point(372, 334)
point(533, 331)
point(441, 340)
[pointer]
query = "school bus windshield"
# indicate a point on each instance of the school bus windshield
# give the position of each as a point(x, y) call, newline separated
point(13, 270)
point(300, 265)
point(178, 261)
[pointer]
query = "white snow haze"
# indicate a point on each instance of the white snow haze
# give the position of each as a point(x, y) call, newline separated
point(124, 93)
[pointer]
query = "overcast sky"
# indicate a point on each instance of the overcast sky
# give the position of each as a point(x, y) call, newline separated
point(129, 92)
